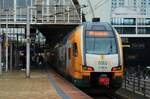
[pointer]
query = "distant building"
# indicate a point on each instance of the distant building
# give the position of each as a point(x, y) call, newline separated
point(131, 17)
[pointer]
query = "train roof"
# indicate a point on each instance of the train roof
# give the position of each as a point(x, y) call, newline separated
point(103, 26)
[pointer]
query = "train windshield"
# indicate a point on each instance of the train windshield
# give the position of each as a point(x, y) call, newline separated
point(100, 43)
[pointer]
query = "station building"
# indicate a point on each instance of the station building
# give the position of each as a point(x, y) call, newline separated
point(42, 12)
point(49, 21)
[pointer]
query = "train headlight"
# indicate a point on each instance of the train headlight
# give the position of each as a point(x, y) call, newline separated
point(89, 68)
point(85, 67)
point(116, 68)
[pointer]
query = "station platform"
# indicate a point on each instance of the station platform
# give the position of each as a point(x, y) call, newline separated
point(45, 85)
point(41, 85)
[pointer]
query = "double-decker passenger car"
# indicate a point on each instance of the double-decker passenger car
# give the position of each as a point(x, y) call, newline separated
point(91, 55)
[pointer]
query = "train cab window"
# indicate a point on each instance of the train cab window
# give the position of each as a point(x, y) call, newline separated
point(100, 42)
point(75, 50)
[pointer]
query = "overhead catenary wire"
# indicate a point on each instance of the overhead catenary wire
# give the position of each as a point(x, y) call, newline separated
point(97, 3)
point(91, 7)
point(100, 3)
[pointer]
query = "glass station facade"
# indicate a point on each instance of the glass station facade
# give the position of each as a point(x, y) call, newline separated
point(131, 16)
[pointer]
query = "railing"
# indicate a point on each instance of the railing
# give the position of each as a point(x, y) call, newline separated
point(42, 14)
point(138, 84)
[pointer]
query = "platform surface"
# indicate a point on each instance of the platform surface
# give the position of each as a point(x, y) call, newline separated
point(40, 85)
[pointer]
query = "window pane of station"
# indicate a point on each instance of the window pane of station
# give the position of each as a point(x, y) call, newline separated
point(6, 4)
point(21, 3)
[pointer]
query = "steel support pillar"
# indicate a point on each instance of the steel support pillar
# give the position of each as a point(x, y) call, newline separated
point(28, 44)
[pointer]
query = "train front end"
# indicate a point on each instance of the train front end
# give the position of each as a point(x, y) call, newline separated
point(102, 56)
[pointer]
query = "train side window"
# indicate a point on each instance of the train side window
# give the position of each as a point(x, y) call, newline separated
point(69, 53)
point(75, 49)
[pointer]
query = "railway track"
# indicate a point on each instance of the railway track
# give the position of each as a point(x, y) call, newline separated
point(106, 96)
point(102, 94)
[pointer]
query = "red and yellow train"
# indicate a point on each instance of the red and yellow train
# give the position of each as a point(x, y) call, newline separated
point(91, 55)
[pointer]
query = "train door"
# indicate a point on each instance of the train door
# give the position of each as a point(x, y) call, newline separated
point(76, 58)
point(68, 56)
point(72, 59)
